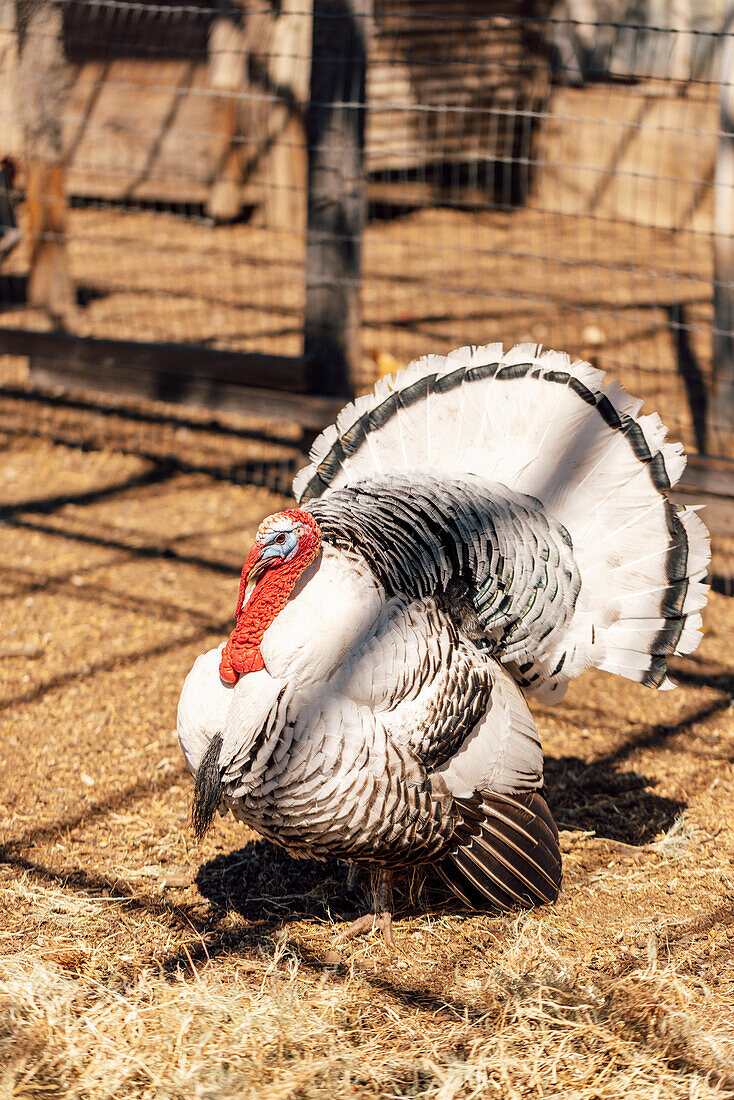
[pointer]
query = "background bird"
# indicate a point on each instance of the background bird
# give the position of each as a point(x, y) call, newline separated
point(478, 529)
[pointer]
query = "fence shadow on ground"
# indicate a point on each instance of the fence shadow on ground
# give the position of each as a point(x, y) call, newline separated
point(616, 805)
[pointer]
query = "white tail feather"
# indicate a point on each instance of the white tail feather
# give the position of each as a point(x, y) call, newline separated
point(541, 425)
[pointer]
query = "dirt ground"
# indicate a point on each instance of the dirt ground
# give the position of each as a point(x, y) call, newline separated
point(136, 963)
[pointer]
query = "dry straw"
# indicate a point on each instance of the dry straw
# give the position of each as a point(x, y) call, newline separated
point(275, 1029)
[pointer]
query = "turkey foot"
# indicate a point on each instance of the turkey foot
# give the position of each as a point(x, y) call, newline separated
point(381, 915)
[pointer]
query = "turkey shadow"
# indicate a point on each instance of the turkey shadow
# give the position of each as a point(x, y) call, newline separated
point(615, 805)
point(264, 884)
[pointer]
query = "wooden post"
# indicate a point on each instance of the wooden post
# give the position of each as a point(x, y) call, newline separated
point(45, 80)
point(336, 189)
point(289, 68)
point(226, 74)
point(722, 421)
point(681, 55)
point(11, 138)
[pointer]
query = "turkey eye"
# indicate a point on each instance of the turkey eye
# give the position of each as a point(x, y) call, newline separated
point(280, 538)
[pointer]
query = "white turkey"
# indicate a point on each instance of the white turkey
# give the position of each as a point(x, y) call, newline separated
point(481, 528)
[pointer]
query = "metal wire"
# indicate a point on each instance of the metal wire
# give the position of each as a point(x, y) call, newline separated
point(546, 174)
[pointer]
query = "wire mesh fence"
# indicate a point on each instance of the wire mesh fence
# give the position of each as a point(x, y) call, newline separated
point(530, 171)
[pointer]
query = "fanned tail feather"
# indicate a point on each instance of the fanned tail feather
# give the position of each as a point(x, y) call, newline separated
point(505, 852)
point(540, 425)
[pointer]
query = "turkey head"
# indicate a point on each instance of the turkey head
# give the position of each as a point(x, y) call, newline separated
point(285, 544)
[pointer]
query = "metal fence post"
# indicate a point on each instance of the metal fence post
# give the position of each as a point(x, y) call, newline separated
point(723, 404)
point(335, 130)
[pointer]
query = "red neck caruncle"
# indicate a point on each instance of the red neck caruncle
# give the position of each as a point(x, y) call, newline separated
point(242, 653)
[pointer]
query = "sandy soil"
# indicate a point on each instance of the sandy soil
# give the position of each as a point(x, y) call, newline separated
point(137, 963)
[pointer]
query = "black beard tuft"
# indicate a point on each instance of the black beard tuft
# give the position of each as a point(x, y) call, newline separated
point(208, 789)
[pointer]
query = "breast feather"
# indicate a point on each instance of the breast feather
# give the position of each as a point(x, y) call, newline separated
point(333, 607)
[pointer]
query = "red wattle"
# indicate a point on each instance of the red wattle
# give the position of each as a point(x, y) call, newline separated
point(236, 660)
point(227, 670)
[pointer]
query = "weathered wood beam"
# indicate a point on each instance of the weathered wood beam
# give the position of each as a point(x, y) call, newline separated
point(276, 372)
point(275, 387)
point(45, 80)
point(709, 481)
point(219, 381)
point(289, 69)
point(705, 474)
point(717, 514)
point(226, 71)
point(11, 134)
point(335, 129)
point(307, 410)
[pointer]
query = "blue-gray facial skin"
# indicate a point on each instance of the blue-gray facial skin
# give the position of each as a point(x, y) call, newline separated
point(280, 544)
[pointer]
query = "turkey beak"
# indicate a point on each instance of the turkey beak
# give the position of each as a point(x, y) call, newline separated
point(252, 570)
point(258, 562)
point(257, 570)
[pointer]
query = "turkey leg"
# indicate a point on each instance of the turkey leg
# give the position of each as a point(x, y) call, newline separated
point(381, 914)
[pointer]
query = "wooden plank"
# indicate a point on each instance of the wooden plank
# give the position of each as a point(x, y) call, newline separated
point(46, 79)
point(308, 410)
point(174, 364)
point(289, 72)
point(717, 513)
point(269, 386)
point(335, 127)
point(143, 130)
point(11, 138)
point(227, 72)
point(622, 152)
point(705, 474)
point(709, 481)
